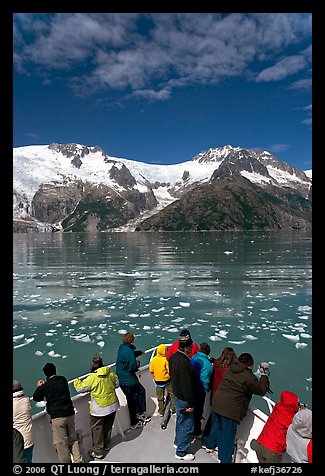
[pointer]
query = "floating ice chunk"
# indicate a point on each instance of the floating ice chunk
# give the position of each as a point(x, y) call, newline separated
point(291, 337)
point(228, 252)
point(300, 345)
point(303, 317)
point(122, 331)
point(74, 321)
point(215, 338)
point(144, 315)
point(101, 343)
point(27, 341)
point(304, 308)
point(85, 339)
point(273, 309)
point(101, 326)
point(49, 344)
point(53, 354)
point(20, 336)
point(133, 315)
point(48, 333)
point(237, 342)
point(38, 352)
point(146, 328)
point(250, 337)
point(172, 329)
point(184, 304)
point(223, 333)
point(305, 335)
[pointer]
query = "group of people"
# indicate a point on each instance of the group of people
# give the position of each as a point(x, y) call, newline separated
point(192, 379)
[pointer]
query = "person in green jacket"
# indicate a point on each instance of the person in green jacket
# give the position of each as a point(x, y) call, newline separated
point(101, 383)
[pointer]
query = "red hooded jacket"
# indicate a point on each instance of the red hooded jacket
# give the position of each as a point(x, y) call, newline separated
point(273, 435)
point(173, 348)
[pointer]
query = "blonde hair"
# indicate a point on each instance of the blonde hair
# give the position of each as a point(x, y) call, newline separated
point(128, 338)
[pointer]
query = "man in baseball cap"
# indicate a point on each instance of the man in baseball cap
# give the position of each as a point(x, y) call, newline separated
point(183, 338)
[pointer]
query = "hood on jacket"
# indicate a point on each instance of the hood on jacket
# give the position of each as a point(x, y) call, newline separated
point(302, 423)
point(102, 371)
point(18, 393)
point(161, 350)
point(237, 367)
point(289, 399)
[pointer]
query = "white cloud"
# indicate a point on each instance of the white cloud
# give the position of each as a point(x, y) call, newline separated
point(150, 54)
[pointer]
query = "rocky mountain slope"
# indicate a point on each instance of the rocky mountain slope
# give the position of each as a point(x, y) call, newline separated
point(72, 187)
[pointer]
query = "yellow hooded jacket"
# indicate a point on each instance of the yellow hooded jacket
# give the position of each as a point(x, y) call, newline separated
point(159, 367)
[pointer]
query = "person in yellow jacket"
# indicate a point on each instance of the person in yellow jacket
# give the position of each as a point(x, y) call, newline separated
point(101, 383)
point(159, 369)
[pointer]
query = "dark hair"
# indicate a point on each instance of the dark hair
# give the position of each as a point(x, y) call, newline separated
point(246, 359)
point(205, 348)
point(49, 369)
point(97, 362)
point(226, 358)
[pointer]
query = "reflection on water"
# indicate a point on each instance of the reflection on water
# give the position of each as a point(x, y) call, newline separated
point(75, 294)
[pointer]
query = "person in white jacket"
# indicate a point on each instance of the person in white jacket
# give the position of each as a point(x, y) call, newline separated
point(299, 435)
point(22, 418)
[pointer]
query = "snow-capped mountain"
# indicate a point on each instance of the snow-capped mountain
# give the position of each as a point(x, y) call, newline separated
point(60, 184)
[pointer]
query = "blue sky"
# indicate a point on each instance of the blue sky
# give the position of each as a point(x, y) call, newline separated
point(163, 87)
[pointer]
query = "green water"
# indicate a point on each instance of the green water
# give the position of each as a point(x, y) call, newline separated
point(76, 294)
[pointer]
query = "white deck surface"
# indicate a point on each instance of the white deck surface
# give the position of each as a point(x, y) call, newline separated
point(151, 444)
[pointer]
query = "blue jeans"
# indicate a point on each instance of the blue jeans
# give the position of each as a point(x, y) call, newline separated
point(184, 427)
point(210, 435)
point(226, 429)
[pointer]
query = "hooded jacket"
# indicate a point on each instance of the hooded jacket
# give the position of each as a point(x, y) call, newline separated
point(273, 435)
point(235, 391)
point(101, 384)
point(126, 365)
point(22, 417)
point(204, 367)
point(159, 366)
point(299, 435)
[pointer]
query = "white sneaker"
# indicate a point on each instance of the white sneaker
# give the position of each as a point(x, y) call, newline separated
point(175, 446)
point(188, 457)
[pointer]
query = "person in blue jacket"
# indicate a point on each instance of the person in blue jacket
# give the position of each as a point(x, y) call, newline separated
point(135, 393)
point(203, 367)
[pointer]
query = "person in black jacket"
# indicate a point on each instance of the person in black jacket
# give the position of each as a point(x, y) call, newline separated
point(186, 389)
point(231, 401)
point(60, 408)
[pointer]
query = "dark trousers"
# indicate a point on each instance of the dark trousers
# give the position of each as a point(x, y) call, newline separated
point(264, 455)
point(101, 430)
point(136, 399)
point(226, 434)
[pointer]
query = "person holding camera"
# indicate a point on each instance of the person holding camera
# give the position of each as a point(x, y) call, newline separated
point(232, 398)
point(271, 443)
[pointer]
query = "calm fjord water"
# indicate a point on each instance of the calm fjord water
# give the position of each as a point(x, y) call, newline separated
point(76, 294)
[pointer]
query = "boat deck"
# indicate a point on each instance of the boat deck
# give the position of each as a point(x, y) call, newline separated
point(151, 444)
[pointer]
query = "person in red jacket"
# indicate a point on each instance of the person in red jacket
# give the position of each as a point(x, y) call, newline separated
point(271, 443)
point(310, 451)
point(183, 337)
